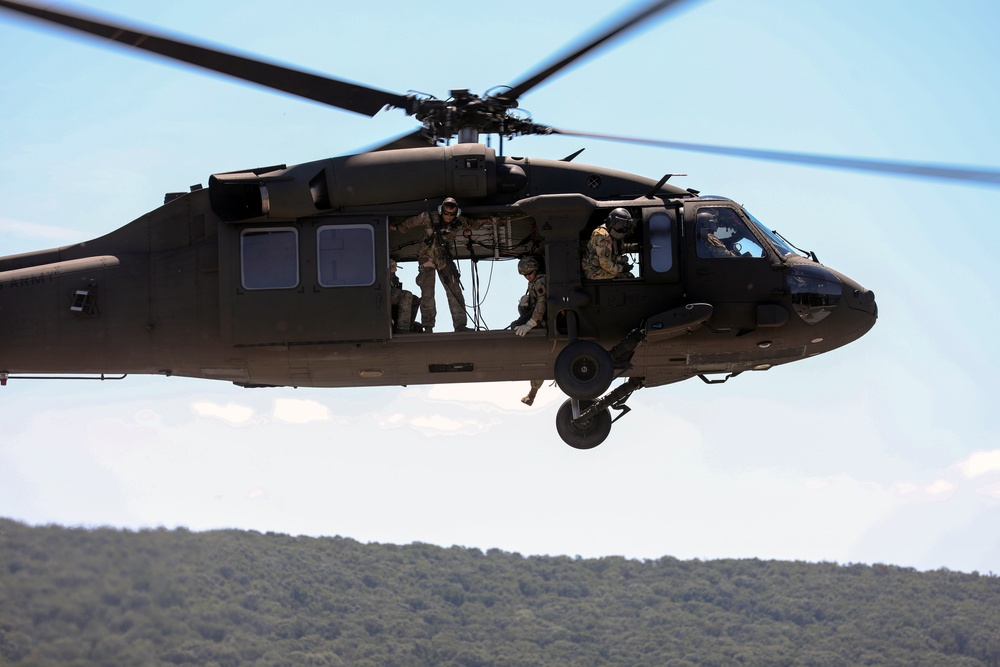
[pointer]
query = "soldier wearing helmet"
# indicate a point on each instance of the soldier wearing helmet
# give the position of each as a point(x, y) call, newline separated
point(404, 303)
point(531, 309)
point(709, 244)
point(434, 257)
point(605, 255)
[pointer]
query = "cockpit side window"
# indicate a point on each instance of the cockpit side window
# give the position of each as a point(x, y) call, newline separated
point(721, 233)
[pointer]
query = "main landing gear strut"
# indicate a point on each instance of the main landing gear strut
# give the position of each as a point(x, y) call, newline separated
point(584, 424)
point(584, 371)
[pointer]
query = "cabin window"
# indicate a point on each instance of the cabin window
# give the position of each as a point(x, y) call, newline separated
point(346, 255)
point(270, 258)
point(661, 243)
point(721, 232)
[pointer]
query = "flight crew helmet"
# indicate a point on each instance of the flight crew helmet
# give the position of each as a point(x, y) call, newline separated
point(449, 205)
point(527, 265)
point(619, 223)
point(708, 220)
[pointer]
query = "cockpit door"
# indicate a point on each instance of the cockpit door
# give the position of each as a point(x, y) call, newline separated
point(319, 280)
point(728, 265)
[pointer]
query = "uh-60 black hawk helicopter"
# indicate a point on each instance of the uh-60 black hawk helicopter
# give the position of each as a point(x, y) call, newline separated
point(280, 276)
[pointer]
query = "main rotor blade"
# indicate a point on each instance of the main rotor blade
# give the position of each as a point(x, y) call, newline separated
point(532, 81)
point(909, 169)
point(415, 139)
point(334, 92)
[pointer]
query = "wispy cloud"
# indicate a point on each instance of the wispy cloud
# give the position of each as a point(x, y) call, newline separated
point(232, 413)
point(299, 411)
point(437, 424)
point(980, 463)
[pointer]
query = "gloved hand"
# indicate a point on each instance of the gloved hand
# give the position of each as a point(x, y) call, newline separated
point(526, 327)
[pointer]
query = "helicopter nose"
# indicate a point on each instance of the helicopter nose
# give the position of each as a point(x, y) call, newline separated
point(859, 298)
point(862, 307)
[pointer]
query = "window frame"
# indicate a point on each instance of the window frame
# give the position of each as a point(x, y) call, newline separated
point(244, 264)
point(371, 276)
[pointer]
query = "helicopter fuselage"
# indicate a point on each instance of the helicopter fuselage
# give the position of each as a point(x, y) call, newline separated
point(280, 277)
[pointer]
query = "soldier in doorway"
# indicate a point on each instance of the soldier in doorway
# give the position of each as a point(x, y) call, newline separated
point(434, 257)
point(605, 256)
point(404, 304)
point(531, 310)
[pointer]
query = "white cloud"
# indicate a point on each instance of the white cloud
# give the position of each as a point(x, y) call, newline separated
point(981, 463)
point(502, 395)
point(393, 421)
point(147, 417)
point(440, 425)
point(299, 411)
point(232, 413)
point(939, 487)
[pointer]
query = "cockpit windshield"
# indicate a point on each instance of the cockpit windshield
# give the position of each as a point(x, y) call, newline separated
point(782, 247)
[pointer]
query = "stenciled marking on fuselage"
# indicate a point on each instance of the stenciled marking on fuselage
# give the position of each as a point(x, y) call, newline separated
point(29, 281)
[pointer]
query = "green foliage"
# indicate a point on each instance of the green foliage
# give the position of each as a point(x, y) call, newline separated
point(228, 598)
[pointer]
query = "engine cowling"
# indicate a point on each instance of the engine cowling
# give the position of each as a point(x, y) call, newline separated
point(464, 171)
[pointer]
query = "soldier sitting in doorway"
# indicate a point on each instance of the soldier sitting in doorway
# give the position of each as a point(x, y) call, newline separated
point(531, 309)
point(404, 304)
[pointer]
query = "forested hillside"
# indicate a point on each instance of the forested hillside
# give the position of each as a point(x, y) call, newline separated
point(226, 598)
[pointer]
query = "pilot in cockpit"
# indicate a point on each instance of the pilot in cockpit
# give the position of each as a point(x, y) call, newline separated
point(706, 232)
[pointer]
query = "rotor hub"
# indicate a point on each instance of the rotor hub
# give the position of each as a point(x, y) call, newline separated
point(465, 113)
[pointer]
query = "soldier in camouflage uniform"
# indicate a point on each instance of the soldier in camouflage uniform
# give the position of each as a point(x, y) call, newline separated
point(434, 256)
point(531, 309)
point(404, 304)
point(605, 255)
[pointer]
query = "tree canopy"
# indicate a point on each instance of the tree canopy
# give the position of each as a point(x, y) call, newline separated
point(81, 597)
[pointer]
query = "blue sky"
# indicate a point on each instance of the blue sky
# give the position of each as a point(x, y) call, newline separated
point(883, 451)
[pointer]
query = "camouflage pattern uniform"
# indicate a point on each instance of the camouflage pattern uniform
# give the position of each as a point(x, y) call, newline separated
point(605, 257)
point(534, 300)
point(709, 245)
point(402, 300)
point(533, 304)
point(435, 256)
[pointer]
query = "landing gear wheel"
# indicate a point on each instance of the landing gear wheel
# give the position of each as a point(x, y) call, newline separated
point(587, 435)
point(584, 370)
